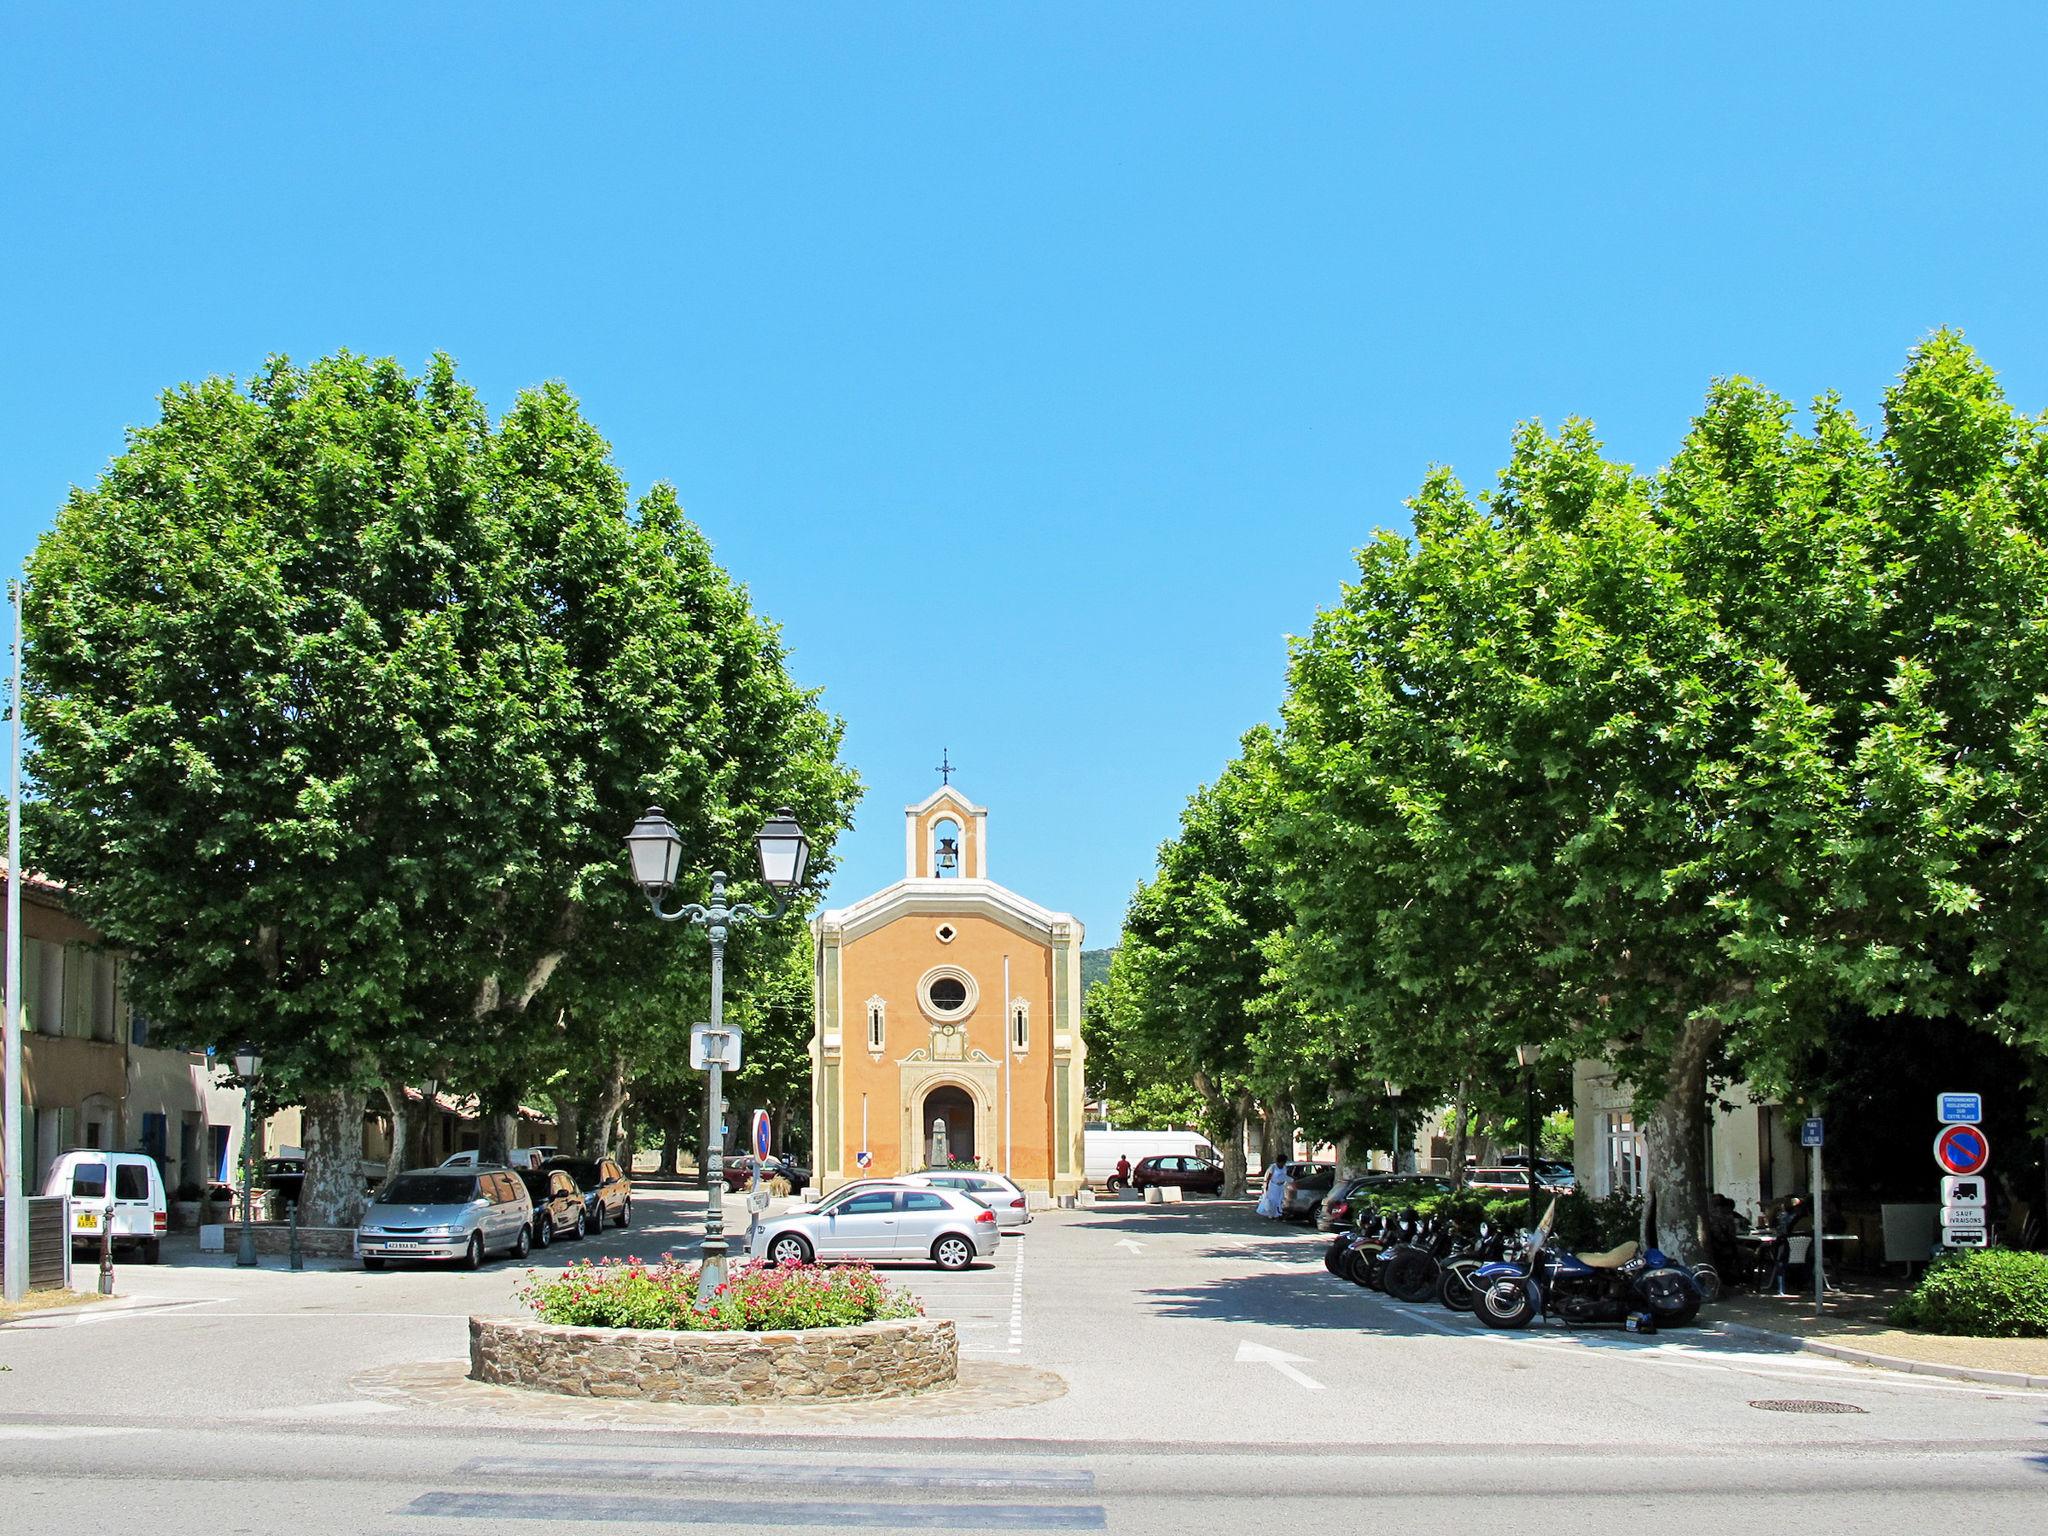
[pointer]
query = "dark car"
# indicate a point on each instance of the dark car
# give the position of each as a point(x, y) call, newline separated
point(557, 1205)
point(1301, 1196)
point(1342, 1205)
point(607, 1193)
point(1197, 1174)
point(285, 1177)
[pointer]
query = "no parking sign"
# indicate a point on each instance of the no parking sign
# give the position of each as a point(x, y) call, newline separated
point(1962, 1150)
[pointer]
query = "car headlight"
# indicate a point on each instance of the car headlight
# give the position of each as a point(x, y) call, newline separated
point(437, 1231)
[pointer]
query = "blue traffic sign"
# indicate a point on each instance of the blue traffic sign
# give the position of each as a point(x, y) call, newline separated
point(1812, 1132)
point(1959, 1108)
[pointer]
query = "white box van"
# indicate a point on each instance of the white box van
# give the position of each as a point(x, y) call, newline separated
point(1101, 1149)
point(117, 1192)
point(518, 1157)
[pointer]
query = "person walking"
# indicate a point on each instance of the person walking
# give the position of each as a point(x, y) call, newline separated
point(1273, 1201)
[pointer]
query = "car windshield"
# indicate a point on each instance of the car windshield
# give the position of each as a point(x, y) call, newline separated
point(427, 1189)
point(584, 1173)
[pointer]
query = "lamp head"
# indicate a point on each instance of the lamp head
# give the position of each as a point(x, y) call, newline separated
point(248, 1062)
point(784, 850)
point(657, 850)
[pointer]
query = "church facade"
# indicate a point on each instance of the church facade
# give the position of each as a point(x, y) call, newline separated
point(948, 1019)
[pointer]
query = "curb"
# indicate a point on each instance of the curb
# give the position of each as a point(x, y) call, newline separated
point(1889, 1362)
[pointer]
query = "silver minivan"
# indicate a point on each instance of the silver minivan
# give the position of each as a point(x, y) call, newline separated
point(447, 1213)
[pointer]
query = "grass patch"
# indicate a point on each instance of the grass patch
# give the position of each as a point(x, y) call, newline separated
point(43, 1301)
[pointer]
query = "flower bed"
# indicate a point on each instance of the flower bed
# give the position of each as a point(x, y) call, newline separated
point(627, 1329)
point(630, 1293)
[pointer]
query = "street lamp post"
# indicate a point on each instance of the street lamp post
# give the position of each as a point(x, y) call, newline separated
point(657, 851)
point(248, 1062)
point(1394, 1142)
point(1527, 1054)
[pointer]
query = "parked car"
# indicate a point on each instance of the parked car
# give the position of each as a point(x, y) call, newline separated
point(518, 1157)
point(607, 1192)
point(558, 1209)
point(447, 1213)
point(1512, 1180)
point(1341, 1205)
point(121, 1193)
point(1551, 1173)
point(285, 1177)
point(882, 1222)
point(1301, 1195)
point(1011, 1205)
point(1198, 1174)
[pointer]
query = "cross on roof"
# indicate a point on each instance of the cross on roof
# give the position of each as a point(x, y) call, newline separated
point(945, 768)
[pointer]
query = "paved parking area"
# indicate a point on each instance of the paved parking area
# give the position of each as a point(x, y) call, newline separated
point(986, 1303)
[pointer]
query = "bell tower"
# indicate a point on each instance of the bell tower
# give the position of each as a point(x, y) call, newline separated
point(945, 837)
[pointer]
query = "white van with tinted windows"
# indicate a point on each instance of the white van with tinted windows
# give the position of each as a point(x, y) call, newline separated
point(112, 1192)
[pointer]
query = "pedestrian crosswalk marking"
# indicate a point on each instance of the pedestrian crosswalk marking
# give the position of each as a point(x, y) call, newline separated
point(583, 1468)
point(734, 1513)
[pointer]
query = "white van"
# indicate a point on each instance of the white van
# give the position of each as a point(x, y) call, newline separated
point(518, 1157)
point(1101, 1149)
point(117, 1192)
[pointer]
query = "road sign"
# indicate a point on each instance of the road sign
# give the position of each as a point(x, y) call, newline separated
point(761, 1129)
point(708, 1045)
point(757, 1202)
point(1962, 1150)
point(1965, 1237)
point(1959, 1108)
point(1958, 1216)
point(1812, 1131)
point(863, 1159)
point(1955, 1191)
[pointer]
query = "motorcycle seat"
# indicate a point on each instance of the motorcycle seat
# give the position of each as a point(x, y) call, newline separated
point(1613, 1258)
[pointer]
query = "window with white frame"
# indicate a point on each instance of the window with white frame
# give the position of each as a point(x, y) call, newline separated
point(878, 1024)
point(1622, 1152)
point(1020, 1025)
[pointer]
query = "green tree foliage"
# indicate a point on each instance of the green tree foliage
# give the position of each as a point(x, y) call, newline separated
point(1661, 768)
point(343, 699)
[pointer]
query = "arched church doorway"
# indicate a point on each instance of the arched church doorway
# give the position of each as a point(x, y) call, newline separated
point(953, 1109)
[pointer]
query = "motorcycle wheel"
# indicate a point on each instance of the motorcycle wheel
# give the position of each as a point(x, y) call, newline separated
point(1333, 1256)
point(1708, 1279)
point(1410, 1275)
point(1355, 1266)
point(1505, 1304)
point(1673, 1299)
point(1454, 1287)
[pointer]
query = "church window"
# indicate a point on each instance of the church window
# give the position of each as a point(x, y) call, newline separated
point(1020, 1025)
point(878, 1024)
point(948, 994)
point(947, 933)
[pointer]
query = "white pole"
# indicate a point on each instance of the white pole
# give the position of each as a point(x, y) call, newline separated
point(863, 1128)
point(16, 1229)
point(1820, 1284)
point(1009, 1050)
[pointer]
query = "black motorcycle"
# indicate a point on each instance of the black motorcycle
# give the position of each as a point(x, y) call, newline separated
point(1454, 1275)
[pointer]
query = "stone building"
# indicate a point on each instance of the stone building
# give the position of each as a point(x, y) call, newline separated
point(948, 1018)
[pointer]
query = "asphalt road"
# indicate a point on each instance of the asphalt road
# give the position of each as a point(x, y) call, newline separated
point(1216, 1380)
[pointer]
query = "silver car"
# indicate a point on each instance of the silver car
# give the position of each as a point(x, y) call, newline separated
point(447, 1213)
point(1011, 1205)
point(882, 1223)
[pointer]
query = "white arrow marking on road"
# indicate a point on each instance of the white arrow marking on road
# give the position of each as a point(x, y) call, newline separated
point(1125, 1242)
point(1280, 1360)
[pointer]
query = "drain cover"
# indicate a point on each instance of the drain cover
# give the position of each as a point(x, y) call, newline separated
point(1801, 1405)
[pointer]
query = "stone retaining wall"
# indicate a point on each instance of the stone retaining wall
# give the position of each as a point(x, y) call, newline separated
point(657, 1365)
point(274, 1239)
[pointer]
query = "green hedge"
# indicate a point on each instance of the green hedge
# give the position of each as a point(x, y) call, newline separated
point(1991, 1293)
point(1582, 1222)
point(631, 1293)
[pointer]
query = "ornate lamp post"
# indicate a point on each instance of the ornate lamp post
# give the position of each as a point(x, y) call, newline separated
point(657, 851)
point(1527, 1054)
point(1394, 1103)
point(248, 1065)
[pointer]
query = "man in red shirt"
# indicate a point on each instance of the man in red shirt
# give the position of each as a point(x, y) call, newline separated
point(1123, 1172)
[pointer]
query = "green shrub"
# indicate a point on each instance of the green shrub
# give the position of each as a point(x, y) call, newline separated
point(630, 1293)
point(1991, 1293)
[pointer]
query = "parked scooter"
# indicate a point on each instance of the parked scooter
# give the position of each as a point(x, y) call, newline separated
point(1643, 1290)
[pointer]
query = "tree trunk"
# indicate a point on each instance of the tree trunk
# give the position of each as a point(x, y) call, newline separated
point(568, 1122)
point(610, 1101)
point(671, 1148)
point(332, 1129)
point(403, 1122)
point(1675, 1166)
point(1460, 1134)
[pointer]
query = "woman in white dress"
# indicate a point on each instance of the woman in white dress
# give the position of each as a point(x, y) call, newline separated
point(1269, 1202)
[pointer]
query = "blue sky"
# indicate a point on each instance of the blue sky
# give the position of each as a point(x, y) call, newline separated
point(1037, 366)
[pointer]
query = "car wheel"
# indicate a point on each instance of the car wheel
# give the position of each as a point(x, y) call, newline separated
point(544, 1230)
point(1114, 1186)
point(626, 1213)
point(582, 1225)
point(789, 1249)
point(952, 1253)
point(473, 1255)
point(524, 1246)
point(370, 1263)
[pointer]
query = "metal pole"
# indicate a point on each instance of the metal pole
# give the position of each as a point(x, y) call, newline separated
point(107, 1248)
point(1819, 1248)
point(245, 1245)
point(14, 1236)
point(298, 1258)
point(711, 1274)
point(1529, 1146)
point(1009, 1050)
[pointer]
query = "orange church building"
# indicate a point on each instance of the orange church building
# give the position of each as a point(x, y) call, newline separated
point(948, 1017)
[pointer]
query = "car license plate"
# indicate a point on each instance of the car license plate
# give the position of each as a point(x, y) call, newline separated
point(403, 1245)
point(89, 1220)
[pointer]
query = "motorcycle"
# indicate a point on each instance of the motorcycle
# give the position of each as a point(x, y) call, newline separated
point(1454, 1279)
point(1413, 1267)
point(1640, 1289)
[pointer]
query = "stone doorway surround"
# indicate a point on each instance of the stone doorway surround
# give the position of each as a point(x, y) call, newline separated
point(978, 1076)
